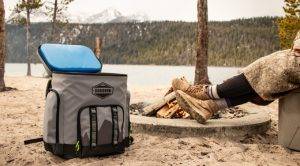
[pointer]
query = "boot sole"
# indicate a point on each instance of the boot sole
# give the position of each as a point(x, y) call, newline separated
point(185, 105)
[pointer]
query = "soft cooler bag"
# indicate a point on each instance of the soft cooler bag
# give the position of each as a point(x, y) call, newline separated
point(86, 115)
point(87, 112)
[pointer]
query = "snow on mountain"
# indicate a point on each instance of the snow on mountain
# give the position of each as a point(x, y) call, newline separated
point(79, 17)
point(104, 16)
point(36, 17)
point(107, 16)
point(139, 17)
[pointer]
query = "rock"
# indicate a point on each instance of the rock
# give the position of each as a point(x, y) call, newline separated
point(183, 142)
point(204, 153)
point(205, 145)
point(137, 108)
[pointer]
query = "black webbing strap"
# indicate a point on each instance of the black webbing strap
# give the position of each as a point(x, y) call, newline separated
point(48, 87)
point(114, 115)
point(131, 140)
point(32, 141)
point(93, 126)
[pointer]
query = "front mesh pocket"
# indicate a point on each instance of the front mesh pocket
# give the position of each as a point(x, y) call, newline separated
point(101, 125)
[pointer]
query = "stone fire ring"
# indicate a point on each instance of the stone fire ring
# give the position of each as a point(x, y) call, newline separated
point(255, 122)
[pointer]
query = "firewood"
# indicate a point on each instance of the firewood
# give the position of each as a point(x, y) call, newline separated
point(186, 115)
point(153, 108)
point(167, 112)
point(182, 114)
point(163, 112)
point(169, 91)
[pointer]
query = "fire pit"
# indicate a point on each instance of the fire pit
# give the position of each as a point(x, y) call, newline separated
point(164, 116)
point(230, 113)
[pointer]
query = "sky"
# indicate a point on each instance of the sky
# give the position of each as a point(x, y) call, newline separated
point(176, 10)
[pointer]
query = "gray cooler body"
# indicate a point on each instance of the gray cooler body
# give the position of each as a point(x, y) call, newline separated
point(86, 115)
point(289, 121)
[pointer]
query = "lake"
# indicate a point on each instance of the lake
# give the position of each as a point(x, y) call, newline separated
point(139, 75)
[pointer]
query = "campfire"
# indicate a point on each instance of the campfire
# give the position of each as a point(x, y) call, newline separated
point(168, 108)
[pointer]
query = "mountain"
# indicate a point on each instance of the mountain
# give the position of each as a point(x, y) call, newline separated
point(231, 43)
point(104, 16)
point(139, 17)
point(109, 15)
point(79, 17)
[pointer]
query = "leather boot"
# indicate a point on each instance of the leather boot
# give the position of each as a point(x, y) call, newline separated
point(197, 91)
point(200, 110)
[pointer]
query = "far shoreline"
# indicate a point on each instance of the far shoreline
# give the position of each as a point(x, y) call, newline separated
point(114, 64)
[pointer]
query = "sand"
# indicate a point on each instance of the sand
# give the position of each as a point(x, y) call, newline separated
point(21, 117)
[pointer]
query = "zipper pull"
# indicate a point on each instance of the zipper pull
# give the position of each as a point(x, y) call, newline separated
point(77, 146)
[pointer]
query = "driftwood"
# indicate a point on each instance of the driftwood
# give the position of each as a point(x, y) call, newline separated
point(153, 108)
point(167, 111)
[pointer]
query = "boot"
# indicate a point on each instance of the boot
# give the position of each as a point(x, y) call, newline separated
point(172, 90)
point(197, 91)
point(199, 110)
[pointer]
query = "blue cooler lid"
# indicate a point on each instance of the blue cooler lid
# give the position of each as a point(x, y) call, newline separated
point(69, 58)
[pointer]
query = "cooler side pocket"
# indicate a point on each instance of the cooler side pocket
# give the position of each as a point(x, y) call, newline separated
point(51, 116)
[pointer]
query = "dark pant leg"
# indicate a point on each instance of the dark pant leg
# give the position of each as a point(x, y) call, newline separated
point(254, 98)
point(234, 101)
point(237, 91)
point(234, 87)
point(259, 101)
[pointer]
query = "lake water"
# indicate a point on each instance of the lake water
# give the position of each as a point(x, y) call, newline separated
point(139, 75)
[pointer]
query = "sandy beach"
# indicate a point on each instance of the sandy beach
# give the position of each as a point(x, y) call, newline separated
point(21, 117)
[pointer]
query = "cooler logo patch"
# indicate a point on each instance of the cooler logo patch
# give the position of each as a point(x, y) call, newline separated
point(102, 90)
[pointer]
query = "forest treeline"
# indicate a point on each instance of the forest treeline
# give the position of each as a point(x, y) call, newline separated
point(231, 43)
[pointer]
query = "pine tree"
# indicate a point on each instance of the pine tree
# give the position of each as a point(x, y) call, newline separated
point(2, 45)
point(26, 7)
point(290, 24)
point(56, 10)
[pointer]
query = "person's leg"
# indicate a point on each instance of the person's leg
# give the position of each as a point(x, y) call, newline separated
point(233, 87)
point(235, 90)
point(259, 101)
point(232, 92)
point(235, 101)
